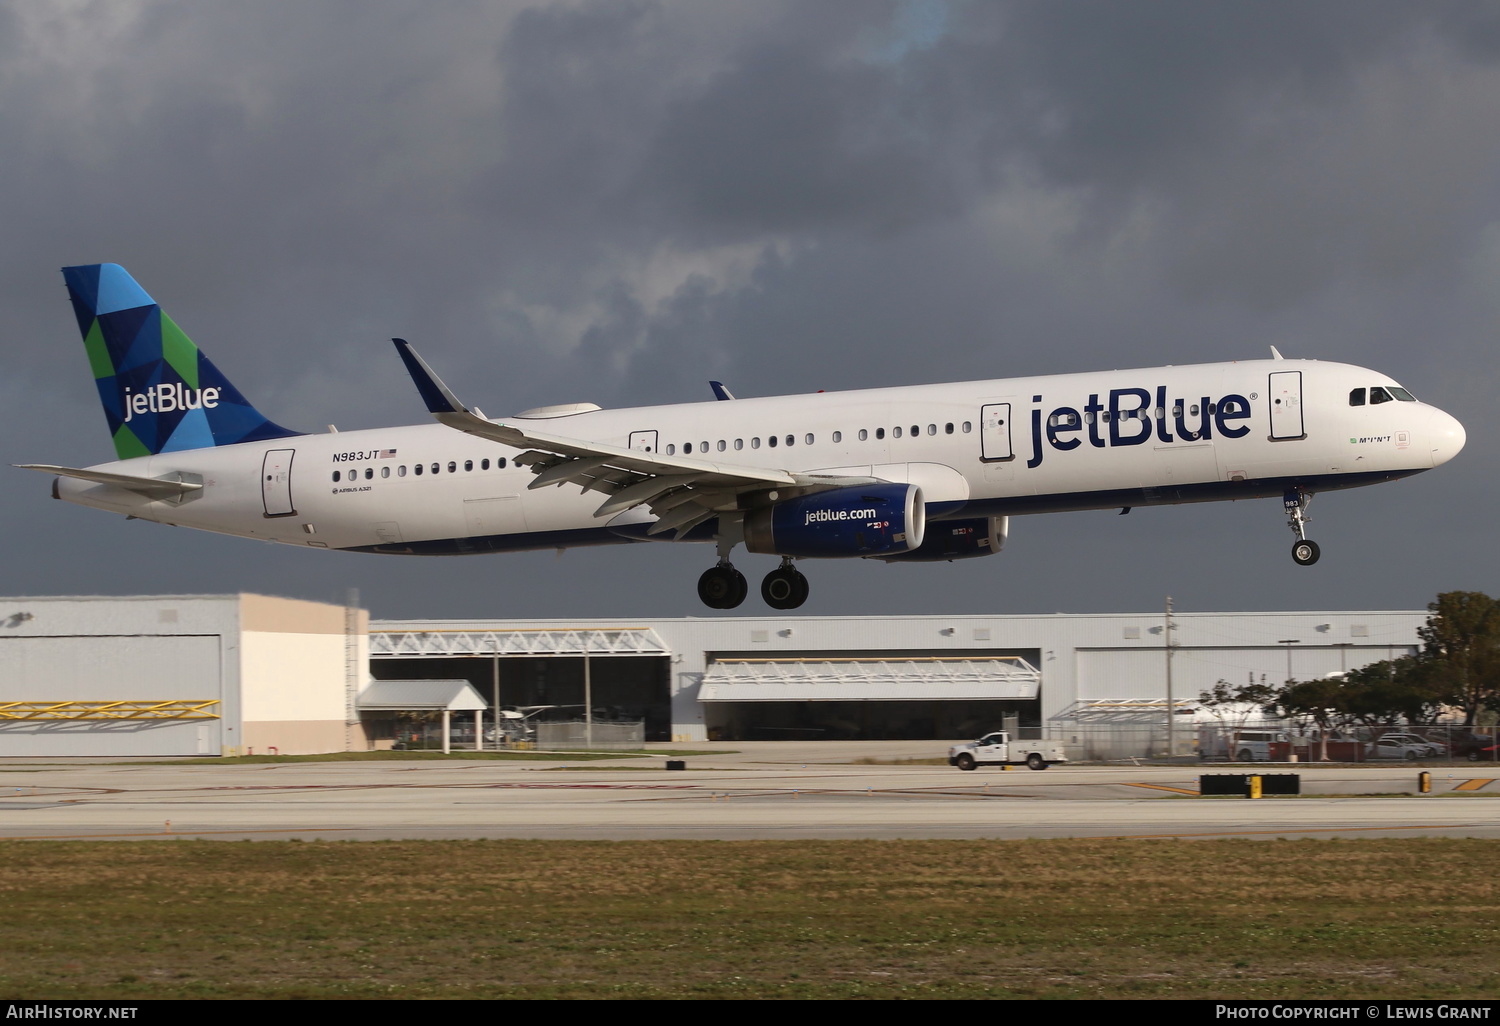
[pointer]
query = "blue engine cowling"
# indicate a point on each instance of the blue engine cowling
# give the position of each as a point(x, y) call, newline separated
point(956, 539)
point(866, 520)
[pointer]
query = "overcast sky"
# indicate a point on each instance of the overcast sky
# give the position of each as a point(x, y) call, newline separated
point(615, 202)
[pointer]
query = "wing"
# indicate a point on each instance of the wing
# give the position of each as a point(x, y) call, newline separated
point(680, 491)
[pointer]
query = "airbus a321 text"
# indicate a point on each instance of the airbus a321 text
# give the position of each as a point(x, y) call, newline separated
point(916, 473)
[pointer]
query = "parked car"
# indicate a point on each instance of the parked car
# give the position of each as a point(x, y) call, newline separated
point(1472, 746)
point(1391, 747)
point(1430, 749)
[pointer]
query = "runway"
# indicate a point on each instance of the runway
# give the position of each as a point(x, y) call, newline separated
point(749, 791)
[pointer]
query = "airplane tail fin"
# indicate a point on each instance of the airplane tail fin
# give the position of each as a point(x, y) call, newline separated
point(160, 393)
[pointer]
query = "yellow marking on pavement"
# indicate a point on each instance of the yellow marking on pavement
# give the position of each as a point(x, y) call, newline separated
point(1163, 787)
point(1475, 784)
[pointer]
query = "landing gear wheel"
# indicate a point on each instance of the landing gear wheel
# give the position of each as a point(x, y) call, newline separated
point(1036, 762)
point(1305, 553)
point(965, 761)
point(784, 588)
point(722, 587)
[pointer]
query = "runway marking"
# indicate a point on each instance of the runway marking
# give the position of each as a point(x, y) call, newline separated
point(1305, 830)
point(1163, 787)
point(1475, 784)
point(177, 833)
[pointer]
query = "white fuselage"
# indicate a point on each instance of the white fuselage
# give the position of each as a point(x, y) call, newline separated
point(980, 448)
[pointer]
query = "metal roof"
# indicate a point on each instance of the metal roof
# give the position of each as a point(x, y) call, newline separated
point(869, 680)
point(559, 641)
point(415, 695)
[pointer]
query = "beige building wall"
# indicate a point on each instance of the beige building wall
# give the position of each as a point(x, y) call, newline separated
point(301, 666)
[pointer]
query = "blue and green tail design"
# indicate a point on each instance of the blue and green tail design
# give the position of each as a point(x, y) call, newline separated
point(160, 393)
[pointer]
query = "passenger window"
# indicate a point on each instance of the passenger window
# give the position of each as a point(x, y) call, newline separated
point(838, 436)
point(771, 441)
point(436, 467)
point(671, 449)
point(880, 432)
point(895, 432)
point(687, 447)
point(1195, 409)
point(401, 470)
point(722, 445)
point(418, 469)
point(968, 427)
point(739, 443)
point(385, 471)
point(807, 439)
point(335, 477)
point(864, 435)
point(468, 465)
point(948, 428)
point(452, 467)
point(500, 463)
point(703, 447)
point(791, 439)
point(1177, 410)
point(916, 429)
point(932, 429)
point(369, 473)
point(755, 443)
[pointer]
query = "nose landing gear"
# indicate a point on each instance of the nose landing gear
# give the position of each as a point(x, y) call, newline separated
point(1304, 552)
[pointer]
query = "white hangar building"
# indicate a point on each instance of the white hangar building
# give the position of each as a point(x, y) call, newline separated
point(170, 675)
point(788, 677)
point(176, 675)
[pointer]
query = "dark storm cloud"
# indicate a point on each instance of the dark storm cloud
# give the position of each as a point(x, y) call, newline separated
point(615, 201)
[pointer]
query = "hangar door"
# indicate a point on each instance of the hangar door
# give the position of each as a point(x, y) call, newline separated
point(111, 695)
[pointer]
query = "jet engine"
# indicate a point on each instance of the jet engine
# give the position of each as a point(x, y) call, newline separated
point(864, 520)
point(955, 539)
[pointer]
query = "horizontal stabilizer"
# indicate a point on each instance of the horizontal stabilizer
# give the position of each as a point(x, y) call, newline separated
point(151, 487)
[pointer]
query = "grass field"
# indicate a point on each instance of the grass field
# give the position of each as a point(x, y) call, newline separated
point(815, 919)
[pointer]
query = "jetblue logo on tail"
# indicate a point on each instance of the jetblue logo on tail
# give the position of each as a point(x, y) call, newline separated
point(168, 398)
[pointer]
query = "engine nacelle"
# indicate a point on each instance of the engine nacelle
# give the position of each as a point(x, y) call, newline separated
point(956, 539)
point(865, 520)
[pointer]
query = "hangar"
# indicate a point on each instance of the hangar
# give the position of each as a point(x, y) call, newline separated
point(172, 675)
point(204, 675)
point(768, 677)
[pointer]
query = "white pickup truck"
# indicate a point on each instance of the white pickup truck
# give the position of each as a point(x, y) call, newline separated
point(997, 750)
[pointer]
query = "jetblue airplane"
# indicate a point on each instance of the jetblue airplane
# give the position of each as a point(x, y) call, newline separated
point(915, 473)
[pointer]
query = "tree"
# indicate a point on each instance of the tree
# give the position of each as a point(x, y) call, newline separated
point(1461, 648)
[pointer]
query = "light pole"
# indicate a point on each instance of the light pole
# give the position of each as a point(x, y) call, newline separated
point(1289, 642)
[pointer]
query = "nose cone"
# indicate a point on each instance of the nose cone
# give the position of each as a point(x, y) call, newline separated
point(1447, 437)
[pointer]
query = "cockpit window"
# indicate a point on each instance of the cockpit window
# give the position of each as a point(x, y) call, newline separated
point(1379, 395)
point(1357, 397)
point(1402, 394)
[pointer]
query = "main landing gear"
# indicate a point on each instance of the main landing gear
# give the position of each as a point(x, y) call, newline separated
point(1305, 552)
point(784, 587)
point(724, 587)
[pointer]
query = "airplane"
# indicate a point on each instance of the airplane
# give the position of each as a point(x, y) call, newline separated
point(913, 473)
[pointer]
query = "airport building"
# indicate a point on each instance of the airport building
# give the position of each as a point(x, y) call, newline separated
point(191, 675)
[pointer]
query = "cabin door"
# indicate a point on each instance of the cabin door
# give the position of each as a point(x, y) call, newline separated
point(1285, 394)
point(994, 432)
point(643, 441)
point(276, 483)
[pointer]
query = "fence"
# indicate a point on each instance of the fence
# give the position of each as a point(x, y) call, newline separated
point(1274, 741)
point(570, 734)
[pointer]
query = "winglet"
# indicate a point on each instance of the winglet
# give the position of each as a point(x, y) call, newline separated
point(1276, 354)
point(438, 397)
point(720, 392)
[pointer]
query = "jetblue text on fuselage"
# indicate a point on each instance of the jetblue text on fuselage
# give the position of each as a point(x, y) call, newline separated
point(1129, 417)
point(167, 398)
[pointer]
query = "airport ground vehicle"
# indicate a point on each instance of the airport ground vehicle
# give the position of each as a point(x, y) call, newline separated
point(997, 749)
point(1262, 746)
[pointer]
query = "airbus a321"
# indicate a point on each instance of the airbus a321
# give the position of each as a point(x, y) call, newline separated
point(914, 473)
